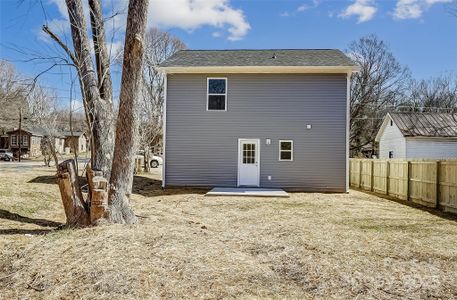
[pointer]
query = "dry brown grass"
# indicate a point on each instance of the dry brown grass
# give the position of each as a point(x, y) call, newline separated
point(191, 246)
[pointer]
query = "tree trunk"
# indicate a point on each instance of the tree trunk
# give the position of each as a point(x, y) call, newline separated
point(99, 200)
point(75, 207)
point(101, 54)
point(99, 111)
point(128, 121)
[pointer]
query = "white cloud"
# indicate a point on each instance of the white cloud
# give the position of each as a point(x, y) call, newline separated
point(216, 34)
point(431, 2)
point(192, 14)
point(413, 9)
point(407, 9)
point(301, 8)
point(363, 9)
point(185, 14)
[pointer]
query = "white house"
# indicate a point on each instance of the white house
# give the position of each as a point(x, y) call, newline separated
point(418, 136)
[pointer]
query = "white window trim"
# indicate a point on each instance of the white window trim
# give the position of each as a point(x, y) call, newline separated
point(291, 150)
point(212, 94)
point(14, 140)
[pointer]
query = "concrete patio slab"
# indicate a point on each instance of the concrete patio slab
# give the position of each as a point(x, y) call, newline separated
point(249, 192)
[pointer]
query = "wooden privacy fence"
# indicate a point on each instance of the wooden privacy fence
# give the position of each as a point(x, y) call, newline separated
point(429, 183)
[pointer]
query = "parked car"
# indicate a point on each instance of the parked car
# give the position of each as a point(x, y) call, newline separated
point(154, 160)
point(6, 155)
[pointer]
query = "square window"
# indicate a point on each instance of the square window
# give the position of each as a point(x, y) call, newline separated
point(286, 155)
point(286, 150)
point(216, 86)
point(216, 102)
point(216, 94)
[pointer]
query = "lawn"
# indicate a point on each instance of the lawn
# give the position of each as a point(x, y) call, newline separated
point(187, 245)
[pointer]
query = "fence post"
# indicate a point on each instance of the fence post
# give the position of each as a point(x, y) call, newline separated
point(437, 183)
point(387, 176)
point(360, 173)
point(372, 176)
point(408, 172)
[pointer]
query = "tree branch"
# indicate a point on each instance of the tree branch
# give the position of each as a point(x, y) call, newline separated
point(61, 44)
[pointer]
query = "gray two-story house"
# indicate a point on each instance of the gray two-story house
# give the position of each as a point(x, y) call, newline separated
point(259, 118)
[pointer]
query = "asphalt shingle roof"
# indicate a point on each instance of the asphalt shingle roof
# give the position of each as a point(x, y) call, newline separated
point(426, 124)
point(75, 133)
point(272, 57)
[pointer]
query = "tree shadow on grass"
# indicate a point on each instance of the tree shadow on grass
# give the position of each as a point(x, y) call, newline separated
point(142, 185)
point(149, 187)
point(14, 231)
point(51, 179)
point(4, 214)
point(430, 210)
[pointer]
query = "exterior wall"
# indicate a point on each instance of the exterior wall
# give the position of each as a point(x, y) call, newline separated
point(433, 148)
point(82, 147)
point(80, 143)
point(59, 145)
point(202, 146)
point(392, 140)
point(35, 146)
point(25, 146)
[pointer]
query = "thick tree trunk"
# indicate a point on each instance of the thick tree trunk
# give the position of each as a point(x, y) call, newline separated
point(99, 110)
point(75, 207)
point(128, 121)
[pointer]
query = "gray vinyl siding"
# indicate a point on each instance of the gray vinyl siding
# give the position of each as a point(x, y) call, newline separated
point(202, 146)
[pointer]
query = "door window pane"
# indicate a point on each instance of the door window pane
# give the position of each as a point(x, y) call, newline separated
point(248, 153)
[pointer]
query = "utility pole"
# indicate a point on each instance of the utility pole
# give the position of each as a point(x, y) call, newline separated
point(20, 132)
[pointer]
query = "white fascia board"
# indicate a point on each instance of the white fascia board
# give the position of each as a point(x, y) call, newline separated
point(261, 69)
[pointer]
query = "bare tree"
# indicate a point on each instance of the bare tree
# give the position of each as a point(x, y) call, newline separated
point(96, 88)
point(127, 121)
point(159, 46)
point(41, 106)
point(436, 94)
point(379, 85)
point(13, 94)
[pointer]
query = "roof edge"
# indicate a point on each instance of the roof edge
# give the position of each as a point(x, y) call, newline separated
point(259, 69)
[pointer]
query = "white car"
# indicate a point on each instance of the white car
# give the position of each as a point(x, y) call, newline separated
point(154, 161)
point(6, 155)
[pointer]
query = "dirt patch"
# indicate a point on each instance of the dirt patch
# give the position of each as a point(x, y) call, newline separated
point(191, 246)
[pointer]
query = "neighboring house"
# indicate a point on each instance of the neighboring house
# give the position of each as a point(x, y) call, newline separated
point(4, 140)
point(418, 136)
point(268, 118)
point(30, 141)
point(77, 140)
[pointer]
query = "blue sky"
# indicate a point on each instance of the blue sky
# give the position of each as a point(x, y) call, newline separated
point(421, 33)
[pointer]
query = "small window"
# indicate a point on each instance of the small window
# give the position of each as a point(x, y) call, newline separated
point(25, 140)
point(217, 94)
point(391, 154)
point(286, 150)
point(13, 140)
point(391, 123)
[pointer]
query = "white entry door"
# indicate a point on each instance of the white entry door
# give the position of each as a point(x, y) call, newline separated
point(248, 162)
